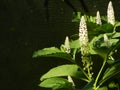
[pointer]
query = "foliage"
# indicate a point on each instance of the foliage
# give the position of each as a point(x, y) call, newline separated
point(103, 41)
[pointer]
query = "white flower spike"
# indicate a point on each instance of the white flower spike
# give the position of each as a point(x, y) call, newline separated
point(83, 37)
point(98, 18)
point(67, 45)
point(110, 14)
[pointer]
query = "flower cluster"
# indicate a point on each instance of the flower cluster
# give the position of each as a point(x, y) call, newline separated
point(110, 14)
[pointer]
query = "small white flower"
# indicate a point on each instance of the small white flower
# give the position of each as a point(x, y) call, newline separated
point(110, 14)
point(98, 18)
point(67, 45)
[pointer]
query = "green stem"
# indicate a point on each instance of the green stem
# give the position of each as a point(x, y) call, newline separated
point(87, 64)
point(95, 84)
point(74, 53)
point(89, 79)
point(89, 74)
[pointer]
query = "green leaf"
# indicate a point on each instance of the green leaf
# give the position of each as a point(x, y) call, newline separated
point(98, 46)
point(56, 83)
point(52, 52)
point(112, 85)
point(106, 28)
point(116, 35)
point(75, 44)
point(111, 72)
point(104, 19)
point(76, 18)
point(92, 19)
point(91, 26)
point(117, 24)
point(64, 70)
point(95, 29)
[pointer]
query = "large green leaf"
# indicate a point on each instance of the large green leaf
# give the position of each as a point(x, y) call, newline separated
point(95, 29)
point(64, 70)
point(98, 46)
point(106, 28)
point(56, 83)
point(52, 52)
point(111, 72)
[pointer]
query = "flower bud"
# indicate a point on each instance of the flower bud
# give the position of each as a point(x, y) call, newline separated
point(67, 45)
point(98, 18)
point(106, 41)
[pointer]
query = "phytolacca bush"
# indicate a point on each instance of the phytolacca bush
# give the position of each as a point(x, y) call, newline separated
point(94, 39)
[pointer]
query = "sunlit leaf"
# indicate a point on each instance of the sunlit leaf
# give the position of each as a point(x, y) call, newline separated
point(52, 52)
point(117, 24)
point(56, 83)
point(92, 19)
point(64, 70)
point(98, 45)
point(116, 35)
point(46, 51)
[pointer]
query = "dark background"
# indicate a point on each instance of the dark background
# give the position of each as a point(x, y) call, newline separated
point(26, 26)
